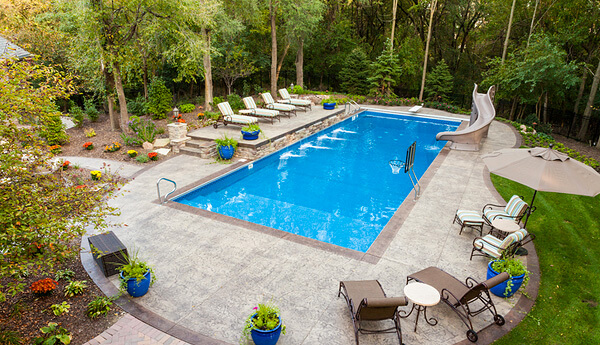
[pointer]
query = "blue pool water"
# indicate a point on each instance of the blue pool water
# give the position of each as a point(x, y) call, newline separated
point(335, 186)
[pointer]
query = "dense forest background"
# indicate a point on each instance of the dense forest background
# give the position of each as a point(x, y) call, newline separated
point(543, 55)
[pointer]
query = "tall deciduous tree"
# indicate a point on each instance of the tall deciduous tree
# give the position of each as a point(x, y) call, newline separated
point(43, 213)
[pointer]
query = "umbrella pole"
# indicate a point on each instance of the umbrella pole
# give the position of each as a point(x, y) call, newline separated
point(529, 208)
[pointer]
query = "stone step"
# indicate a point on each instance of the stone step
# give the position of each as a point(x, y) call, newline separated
point(192, 151)
point(201, 143)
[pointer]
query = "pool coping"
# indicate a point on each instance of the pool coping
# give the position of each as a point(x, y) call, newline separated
point(487, 335)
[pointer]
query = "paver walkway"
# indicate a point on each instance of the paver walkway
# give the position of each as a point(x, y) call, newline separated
point(131, 331)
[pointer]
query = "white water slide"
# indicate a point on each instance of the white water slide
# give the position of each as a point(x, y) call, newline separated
point(482, 115)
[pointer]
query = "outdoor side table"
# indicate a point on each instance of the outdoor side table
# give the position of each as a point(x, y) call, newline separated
point(422, 296)
point(108, 252)
point(506, 226)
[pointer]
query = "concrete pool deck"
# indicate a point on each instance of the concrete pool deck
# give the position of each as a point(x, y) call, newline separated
point(211, 272)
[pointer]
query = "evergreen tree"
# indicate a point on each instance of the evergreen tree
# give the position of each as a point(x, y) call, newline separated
point(385, 72)
point(353, 76)
point(439, 82)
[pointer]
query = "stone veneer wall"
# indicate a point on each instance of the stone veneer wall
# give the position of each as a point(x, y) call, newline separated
point(288, 139)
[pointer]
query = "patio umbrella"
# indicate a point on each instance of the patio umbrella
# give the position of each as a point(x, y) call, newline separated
point(545, 170)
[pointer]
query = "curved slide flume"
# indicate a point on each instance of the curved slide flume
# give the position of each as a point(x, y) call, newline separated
point(482, 115)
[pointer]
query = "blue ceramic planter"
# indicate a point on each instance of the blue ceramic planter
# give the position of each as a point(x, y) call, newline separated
point(269, 337)
point(500, 289)
point(250, 135)
point(328, 106)
point(226, 152)
point(138, 289)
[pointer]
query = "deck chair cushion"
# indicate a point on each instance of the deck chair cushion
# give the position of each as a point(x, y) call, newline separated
point(240, 119)
point(514, 209)
point(225, 108)
point(469, 217)
point(494, 247)
point(252, 109)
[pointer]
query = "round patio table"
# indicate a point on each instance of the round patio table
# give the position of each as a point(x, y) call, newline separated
point(422, 296)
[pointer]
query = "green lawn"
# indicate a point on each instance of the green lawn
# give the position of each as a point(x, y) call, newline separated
point(567, 230)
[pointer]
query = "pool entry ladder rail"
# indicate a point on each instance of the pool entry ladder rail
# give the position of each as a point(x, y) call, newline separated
point(351, 107)
point(408, 164)
point(161, 200)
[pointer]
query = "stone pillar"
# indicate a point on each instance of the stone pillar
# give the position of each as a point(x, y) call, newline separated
point(178, 135)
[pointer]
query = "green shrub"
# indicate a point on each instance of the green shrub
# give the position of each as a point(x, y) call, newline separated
point(66, 274)
point(76, 113)
point(530, 120)
point(10, 338)
point(54, 131)
point(90, 109)
point(235, 101)
point(99, 306)
point(354, 75)
point(439, 82)
point(75, 287)
point(298, 89)
point(138, 106)
point(144, 129)
point(186, 108)
point(130, 141)
point(142, 158)
point(59, 309)
point(53, 334)
point(159, 99)
point(216, 100)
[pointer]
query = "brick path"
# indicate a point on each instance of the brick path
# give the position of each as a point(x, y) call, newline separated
point(131, 331)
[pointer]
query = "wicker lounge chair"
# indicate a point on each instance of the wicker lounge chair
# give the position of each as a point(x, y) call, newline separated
point(493, 247)
point(460, 296)
point(228, 117)
point(367, 302)
point(270, 103)
point(515, 209)
point(286, 98)
point(252, 109)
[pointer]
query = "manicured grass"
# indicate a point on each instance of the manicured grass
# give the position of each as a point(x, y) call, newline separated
point(567, 230)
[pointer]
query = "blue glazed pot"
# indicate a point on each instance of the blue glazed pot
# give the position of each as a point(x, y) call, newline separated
point(138, 289)
point(328, 106)
point(270, 337)
point(250, 135)
point(226, 152)
point(500, 289)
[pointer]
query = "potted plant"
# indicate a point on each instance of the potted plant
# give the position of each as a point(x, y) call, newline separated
point(226, 147)
point(136, 275)
point(251, 131)
point(264, 325)
point(517, 271)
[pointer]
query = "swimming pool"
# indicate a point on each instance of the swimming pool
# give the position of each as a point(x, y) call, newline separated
point(335, 186)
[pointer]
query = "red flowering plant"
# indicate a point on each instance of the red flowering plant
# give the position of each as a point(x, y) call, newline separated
point(55, 149)
point(88, 146)
point(178, 118)
point(65, 165)
point(44, 286)
point(153, 156)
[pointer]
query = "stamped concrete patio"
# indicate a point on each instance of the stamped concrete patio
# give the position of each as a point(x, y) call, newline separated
point(213, 270)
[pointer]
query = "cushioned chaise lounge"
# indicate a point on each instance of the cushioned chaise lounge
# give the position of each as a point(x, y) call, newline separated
point(228, 117)
point(493, 247)
point(515, 209)
point(286, 98)
point(270, 103)
point(252, 109)
point(467, 299)
point(367, 302)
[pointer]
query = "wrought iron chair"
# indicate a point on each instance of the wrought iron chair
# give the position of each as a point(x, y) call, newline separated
point(493, 247)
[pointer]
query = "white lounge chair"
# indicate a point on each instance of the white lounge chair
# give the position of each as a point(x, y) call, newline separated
point(228, 117)
point(287, 109)
point(287, 99)
point(252, 109)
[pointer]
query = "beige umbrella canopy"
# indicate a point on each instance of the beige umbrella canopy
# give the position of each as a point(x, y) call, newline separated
point(544, 169)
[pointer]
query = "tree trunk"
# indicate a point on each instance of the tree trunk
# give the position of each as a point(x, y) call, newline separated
point(121, 95)
point(274, 74)
point(537, 2)
point(587, 113)
point(394, 8)
point(433, 4)
point(300, 64)
point(110, 88)
point(511, 117)
point(145, 78)
point(579, 97)
point(208, 84)
point(512, 11)
point(545, 114)
point(280, 63)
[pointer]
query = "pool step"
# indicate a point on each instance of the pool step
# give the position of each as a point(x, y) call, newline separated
point(200, 148)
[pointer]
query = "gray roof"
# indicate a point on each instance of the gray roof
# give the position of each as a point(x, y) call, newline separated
point(11, 50)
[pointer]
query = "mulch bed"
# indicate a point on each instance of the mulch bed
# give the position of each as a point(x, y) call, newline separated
point(27, 312)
